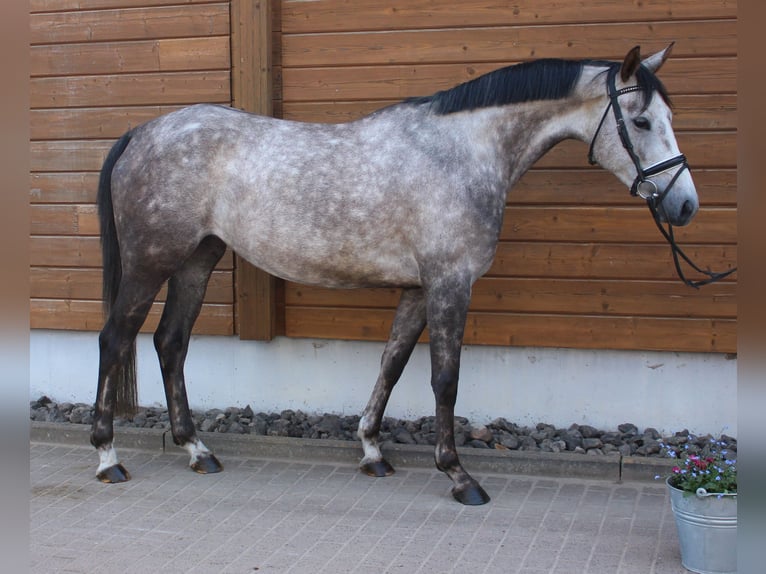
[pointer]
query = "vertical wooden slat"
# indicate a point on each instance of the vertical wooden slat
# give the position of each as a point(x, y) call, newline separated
point(252, 90)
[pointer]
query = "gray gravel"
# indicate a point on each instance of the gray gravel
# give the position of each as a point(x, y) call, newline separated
point(626, 440)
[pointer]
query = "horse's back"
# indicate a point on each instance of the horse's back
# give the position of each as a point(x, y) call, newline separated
point(354, 204)
point(296, 199)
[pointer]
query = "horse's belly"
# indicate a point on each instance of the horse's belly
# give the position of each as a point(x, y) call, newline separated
point(337, 267)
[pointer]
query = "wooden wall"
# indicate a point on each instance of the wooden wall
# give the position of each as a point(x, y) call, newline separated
point(580, 263)
point(99, 67)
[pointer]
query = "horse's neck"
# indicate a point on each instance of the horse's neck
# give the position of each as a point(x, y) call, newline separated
point(527, 133)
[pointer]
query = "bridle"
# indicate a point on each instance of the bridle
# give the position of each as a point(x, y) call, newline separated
point(646, 188)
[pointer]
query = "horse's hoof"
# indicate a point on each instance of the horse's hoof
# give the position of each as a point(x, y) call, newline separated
point(207, 464)
point(378, 468)
point(470, 494)
point(114, 474)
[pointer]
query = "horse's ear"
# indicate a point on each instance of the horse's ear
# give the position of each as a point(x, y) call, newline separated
point(655, 61)
point(631, 63)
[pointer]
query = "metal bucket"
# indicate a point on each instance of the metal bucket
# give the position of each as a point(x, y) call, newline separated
point(707, 530)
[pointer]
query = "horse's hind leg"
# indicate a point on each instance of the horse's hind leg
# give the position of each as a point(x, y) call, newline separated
point(409, 323)
point(186, 290)
point(116, 347)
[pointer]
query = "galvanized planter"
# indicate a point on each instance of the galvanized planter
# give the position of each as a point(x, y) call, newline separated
point(707, 530)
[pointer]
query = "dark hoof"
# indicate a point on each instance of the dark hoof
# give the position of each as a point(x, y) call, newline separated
point(207, 464)
point(378, 468)
point(114, 474)
point(471, 495)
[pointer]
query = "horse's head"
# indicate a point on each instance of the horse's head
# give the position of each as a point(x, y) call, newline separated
point(635, 139)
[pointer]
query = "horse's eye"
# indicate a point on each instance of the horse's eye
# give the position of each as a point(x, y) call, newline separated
point(642, 123)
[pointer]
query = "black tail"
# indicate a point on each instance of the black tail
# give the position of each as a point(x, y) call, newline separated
point(126, 401)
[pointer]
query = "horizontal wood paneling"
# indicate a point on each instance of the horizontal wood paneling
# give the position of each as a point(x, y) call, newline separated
point(299, 17)
point(87, 316)
point(681, 76)
point(691, 112)
point(91, 123)
point(139, 23)
point(71, 5)
point(532, 330)
point(598, 187)
point(573, 296)
point(580, 262)
point(604, 260)
point(538, 186)
point(715, 225)
point(507, 43)
point(130, 90)
point(166, 55)
point(80, 283)
point(69, 187)
point(81, 251)
point(705, 149)
point(98, 68)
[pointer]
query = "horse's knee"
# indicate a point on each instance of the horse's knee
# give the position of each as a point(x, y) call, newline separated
point(444, 387)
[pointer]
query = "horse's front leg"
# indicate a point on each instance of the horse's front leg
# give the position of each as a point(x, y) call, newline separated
point(409, 322)
point(447, 309)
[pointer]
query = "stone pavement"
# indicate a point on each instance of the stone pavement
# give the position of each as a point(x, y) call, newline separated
point(291, 515)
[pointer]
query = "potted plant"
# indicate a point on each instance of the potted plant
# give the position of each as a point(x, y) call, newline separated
point(703, 495)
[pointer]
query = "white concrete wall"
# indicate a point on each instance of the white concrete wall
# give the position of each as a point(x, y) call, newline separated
point(669, 391)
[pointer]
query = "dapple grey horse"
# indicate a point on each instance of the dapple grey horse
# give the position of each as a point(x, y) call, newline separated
point(412, 196)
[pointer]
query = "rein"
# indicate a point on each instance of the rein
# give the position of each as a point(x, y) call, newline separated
point(645, 188)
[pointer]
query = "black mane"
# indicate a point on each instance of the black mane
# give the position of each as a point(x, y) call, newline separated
point(545, 79)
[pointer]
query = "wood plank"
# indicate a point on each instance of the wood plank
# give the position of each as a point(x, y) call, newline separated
point(714, 225)
point(91, 123)
point(138, 23)
point(516, 259)
point(74, 219)
point(74, 251)
point(73, 5)
point(82, 251)
point(66, 187)
point(165, 88)
point(704, 112)
point(525, 330)
point(716, 187)
point(702, 149)
point(165, 55)
point(338, 15)
point(85, 284)
point(62, 155)
point(690, 112)
point(625, 333)
point(565, 296)
point(87, 316)
point(538, 186)
point(681, 76)
point(500, 43)
point(605, 261)
point(253, 91)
